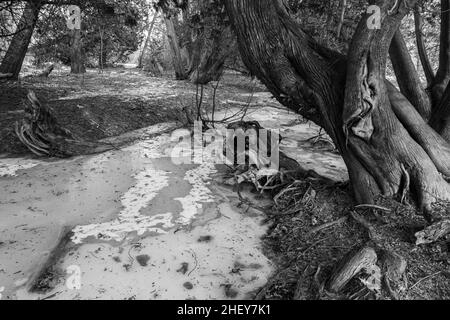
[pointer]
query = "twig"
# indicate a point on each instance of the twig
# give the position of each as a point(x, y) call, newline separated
point(423, 279)
point(372, 206)
point(196, 263)
point(327, 225)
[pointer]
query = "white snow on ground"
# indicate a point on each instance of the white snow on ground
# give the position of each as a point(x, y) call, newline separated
point(235, 244)
point(9, 167)
point(148, 184)
point(150, 149)
point(199, 179)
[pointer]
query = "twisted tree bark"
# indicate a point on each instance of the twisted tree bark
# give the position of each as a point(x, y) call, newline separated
point(387, 144)
point(209, 54)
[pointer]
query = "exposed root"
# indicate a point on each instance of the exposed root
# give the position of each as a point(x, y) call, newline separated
point(353, 264)
point(383, 258)
point(384, 267)
point(5, 75)
point(394, 268)
point(433, 233)
point(40, 132)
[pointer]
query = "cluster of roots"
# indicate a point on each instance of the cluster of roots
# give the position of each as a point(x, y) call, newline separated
point(41, 133)
point(334, 250)
point(376, 264)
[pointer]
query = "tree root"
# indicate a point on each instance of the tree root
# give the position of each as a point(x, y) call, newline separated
point(433, 233)
point(352, 265)
point(40, 132)
point(6, 75)
point(376, 265)
point(376, 269)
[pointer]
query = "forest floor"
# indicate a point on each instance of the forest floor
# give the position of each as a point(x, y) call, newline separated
point(82, 212)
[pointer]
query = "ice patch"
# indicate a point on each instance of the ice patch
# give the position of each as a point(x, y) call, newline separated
point(199, 179)
point(151, 149)
point(149, 183)
point(9, 167)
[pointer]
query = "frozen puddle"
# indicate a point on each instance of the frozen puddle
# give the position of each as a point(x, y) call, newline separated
point(141, 227)
point(149, 183)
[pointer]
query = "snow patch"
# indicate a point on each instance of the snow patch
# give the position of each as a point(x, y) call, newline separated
point(149, 183)
point(9, 167)
point(199, 179)
point(151, 149)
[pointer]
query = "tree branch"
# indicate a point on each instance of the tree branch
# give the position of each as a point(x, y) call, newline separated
point(444, 57)
point(408, 77)
point(441, 116)
point(429, 73)
point(443, 73)
point(341, 18)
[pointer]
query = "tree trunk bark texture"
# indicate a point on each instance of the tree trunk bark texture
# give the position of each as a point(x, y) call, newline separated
point(76, 59)
point(384, 138)
point(209, 54)
point(147, 40)
point(180, 70)
point(17, 50)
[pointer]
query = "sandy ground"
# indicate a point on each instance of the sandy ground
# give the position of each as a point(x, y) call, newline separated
point(134, 224)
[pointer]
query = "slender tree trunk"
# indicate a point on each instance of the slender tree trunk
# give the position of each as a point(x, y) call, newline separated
point(180, 70)
point(388, 147)
point(425, 61)
point(440, 89)
point(77, 59)
point(341, 18)
point(102, 55)
point(443, 74)
point(408, 78)
point(147, 40)
point(17, 50)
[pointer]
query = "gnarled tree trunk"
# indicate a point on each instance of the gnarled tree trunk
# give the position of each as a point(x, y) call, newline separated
point(13, 60)
point(387, 144)
point(209, 54)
